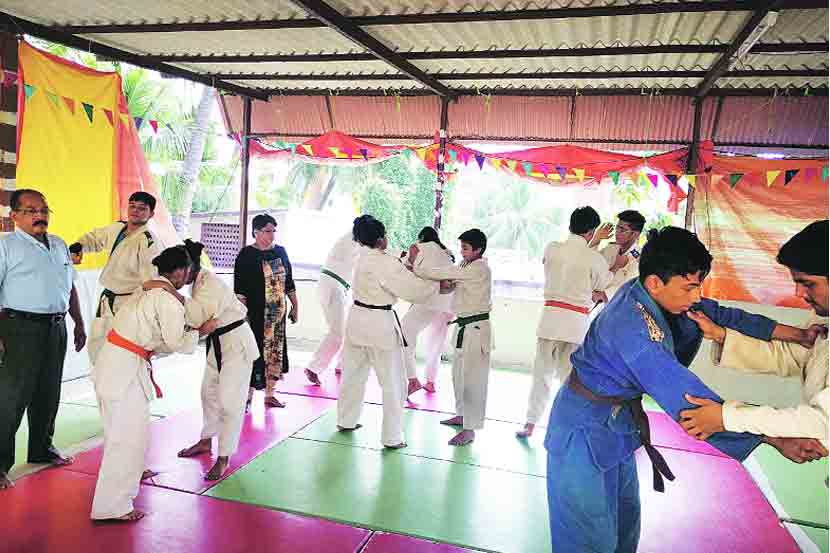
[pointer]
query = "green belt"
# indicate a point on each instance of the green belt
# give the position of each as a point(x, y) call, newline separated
point(464, 321)
point(336, 277)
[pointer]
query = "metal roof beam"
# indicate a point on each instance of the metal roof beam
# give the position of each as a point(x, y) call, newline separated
point(338, 22)
point(432, 18)
point(791, 92)
point(16, 25)
point(498, 54)
point(574, 75)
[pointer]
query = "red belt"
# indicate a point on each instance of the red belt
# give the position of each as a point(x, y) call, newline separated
point(568, 306)
point(119, 341)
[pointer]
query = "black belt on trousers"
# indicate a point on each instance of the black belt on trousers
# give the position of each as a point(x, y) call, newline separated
point(52, 318)
point(110, 295)
point(384, 308)
point(659, 467)
point(213, 340)
point(464, 321)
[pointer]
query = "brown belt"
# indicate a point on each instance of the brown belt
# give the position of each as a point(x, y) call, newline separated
point(659, 467)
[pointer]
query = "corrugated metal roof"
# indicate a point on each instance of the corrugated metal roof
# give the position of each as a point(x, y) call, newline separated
point(781, 120)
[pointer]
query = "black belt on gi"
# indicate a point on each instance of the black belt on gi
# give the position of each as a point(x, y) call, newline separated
point(52, 318)
point(464, 321)
point(384, 308)
point(659, 467)
point(110, 295)
point(213, 340)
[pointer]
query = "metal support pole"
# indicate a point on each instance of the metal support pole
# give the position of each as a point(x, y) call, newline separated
point(246, 161)
point(442, 154)
point(691, 166)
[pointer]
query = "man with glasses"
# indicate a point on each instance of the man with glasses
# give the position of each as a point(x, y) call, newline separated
point(131, 248)
point(630, 224)
point(36, 290)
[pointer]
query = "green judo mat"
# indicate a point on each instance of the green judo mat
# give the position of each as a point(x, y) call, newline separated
point(818, 536)
point(382, 490)
point(800, 490)
point(494, 447)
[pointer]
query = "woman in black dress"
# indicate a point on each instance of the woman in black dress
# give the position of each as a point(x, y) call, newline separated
point(262, 278)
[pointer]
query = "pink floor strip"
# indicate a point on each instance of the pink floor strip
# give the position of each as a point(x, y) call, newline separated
point(667, 433)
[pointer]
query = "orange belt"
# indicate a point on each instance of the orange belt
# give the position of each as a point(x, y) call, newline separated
point(119, 341)
point(568, 306)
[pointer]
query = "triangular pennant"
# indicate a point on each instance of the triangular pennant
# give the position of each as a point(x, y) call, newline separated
point(155, 125)
point(293, 148)
point(641, 179)
point(108, 113)
point(70, 103)
point(29, 90)
point(308, 148)
point(545, 169)
point(824, 172)
point(335, 151)
point(692, 180)
point(52, 97)
point(453, 155)
point(496, 162)
point(480, 161)
point(771, 176)
point(580, 174)
point(809, 173)
point(89, 111)
point(365, 153)
point(349, 152)
point(528, 167)
point(653, 178)
point(789, 175)
point(422, 153)
point(125, 118)
point(561, 171)
point(512, 164)
point(672, 180)
point(138, 122)
point(9, 78)
point(734, 178)
point(615, 177)
point(431, 154)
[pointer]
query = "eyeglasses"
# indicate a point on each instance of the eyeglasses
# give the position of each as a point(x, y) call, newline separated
point(32, 212)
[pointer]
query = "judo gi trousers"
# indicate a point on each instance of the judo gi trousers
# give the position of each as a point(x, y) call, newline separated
point(553, 359)
point(126, 422)
point(418, 318)
point(224, 394)
point(470, 374)
point(388, 365)
point(335, 301)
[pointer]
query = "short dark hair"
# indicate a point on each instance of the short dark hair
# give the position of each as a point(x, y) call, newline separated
point(194, 250)
point(17, 195)
point(633, 218)
point(475, 238)
point(144, 198)
point(584, 219)
point(260, 221)
point(356, 223)
point(172, 259)
point(673, 251)
point(368, 231)
point(806, 252)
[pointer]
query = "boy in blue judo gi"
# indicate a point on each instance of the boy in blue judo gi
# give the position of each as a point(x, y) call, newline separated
point(641, 343)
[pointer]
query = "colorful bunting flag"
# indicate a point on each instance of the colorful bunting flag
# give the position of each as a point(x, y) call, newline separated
point(824, 172)
point(335, 151)
point(511, 163)
point(155, 125)
point(653, 178)
point(480, 161)
point(734, 178)
point(672, 180)
point(545, 169)
point(692, 180)
point(465, 157)
point(52, 97)
point(562, 172)
point(293, 148)
point(308, 148)
point(810, 172)
point(528, 167)
point(453, 155)
point(496, 162)
point(615, 177)
point(9, 78)
point(365, 153)
point(138, 122)
point(29, 90)
point(641, 178)
point(108, 113)
point(422, 153)
point(771, 176)
point(349, 152)
point(406, 153)
point(580, 174)
point(89, 110)
point(789, 175)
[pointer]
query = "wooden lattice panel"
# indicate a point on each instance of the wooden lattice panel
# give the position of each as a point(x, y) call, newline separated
point(221, 242)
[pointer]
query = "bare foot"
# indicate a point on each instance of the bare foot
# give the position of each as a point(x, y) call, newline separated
point(312, 377)
point(527, 431)
point(414, 386)
point(396, 446)
point(5, 483)
point(202, 446)
point(429, 387)
point(55, 459)
point(149, 473)
point(271, 401)
point(132, 516)
point(218, 469)
point(463, 438)
point(455, 421)
point(344, 429)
